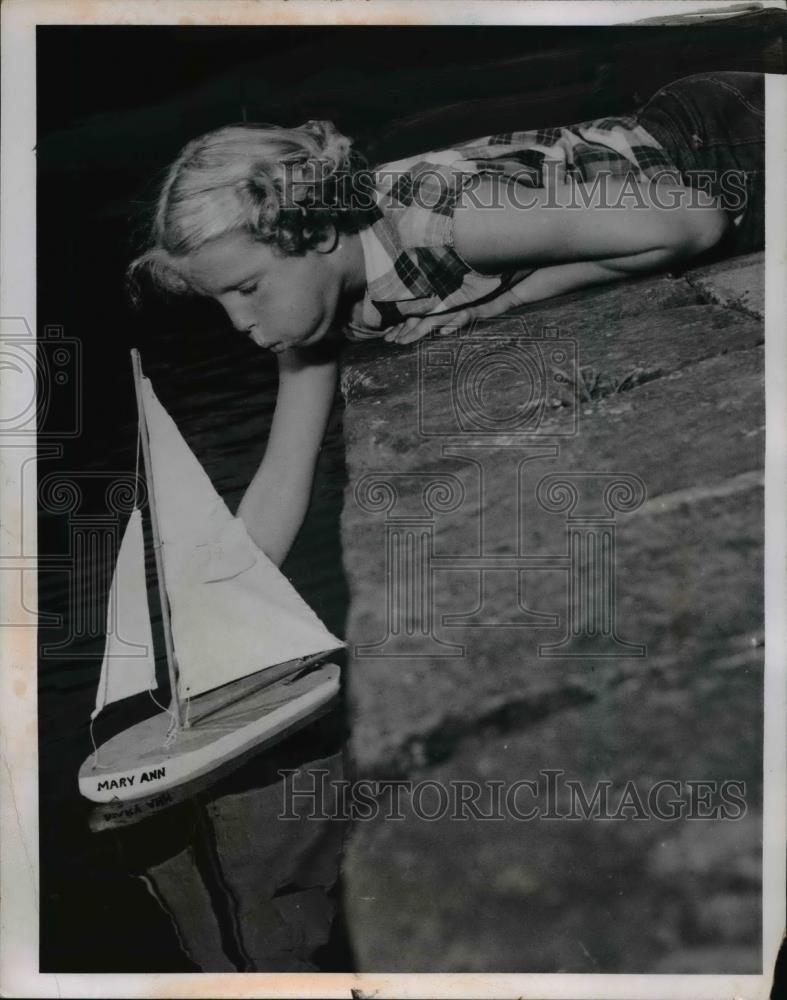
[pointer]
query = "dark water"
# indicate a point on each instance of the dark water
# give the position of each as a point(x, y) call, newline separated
point(215, 881)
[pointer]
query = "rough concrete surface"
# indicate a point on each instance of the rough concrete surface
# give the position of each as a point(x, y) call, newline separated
point(554, 554)
point(739, 283)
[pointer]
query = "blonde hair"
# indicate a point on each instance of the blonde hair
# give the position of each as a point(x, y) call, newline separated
point(282, 186)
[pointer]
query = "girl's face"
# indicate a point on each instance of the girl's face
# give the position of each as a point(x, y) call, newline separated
point(280, 301)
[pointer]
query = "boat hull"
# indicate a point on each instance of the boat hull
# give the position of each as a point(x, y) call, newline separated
point(137, 763)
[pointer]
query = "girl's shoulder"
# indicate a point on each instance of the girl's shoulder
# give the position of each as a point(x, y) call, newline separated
point(412, 267)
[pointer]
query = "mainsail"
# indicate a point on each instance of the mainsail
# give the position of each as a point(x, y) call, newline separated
point(129, 664)
point(233, 613)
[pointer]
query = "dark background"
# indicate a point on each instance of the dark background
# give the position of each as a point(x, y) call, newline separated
point(114, 107)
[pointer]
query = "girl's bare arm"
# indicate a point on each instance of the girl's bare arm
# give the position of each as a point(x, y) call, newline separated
point(502, 224)
point(542, 283)
point(570, 247)
point(275, 503)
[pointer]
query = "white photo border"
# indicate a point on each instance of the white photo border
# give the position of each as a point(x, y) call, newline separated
point(18, 730)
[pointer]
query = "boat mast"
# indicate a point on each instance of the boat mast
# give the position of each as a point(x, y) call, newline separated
point(162, 592)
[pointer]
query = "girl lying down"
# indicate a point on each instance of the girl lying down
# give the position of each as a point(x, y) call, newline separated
point(304, 247)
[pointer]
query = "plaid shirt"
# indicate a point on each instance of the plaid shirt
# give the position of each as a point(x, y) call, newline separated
point(412, 268)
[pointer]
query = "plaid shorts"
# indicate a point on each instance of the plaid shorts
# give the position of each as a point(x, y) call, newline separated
point(412, 268)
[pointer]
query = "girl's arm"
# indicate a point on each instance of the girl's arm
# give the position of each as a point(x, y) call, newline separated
point(639, 227)
point(543, 283)
point(500, 224)
point(275, 503)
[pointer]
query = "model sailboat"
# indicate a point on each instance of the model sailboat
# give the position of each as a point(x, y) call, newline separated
point(243, 648)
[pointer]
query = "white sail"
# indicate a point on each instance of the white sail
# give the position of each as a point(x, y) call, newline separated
point(129, 665)
point(233, 613)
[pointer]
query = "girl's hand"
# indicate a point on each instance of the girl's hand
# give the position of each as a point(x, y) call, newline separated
point(419, 326)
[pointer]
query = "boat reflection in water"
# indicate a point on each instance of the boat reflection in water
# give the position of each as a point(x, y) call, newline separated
point(244, 889)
